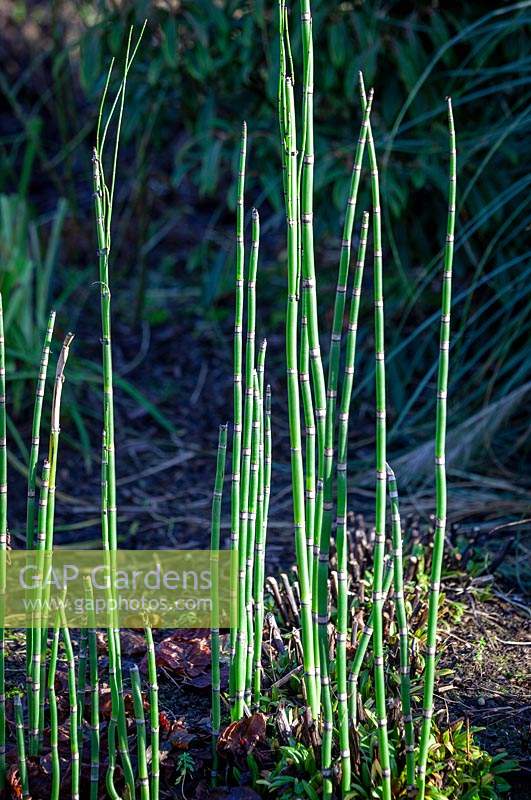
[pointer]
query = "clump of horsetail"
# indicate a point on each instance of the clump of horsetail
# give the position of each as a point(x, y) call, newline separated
point(140, 724)
point(214, 566)
point(3, 543)
point(289, 162)
point(440, 465)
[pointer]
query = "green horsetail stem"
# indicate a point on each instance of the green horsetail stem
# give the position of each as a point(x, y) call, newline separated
point(115, 701)
point(140, 723)
point(93, 688)
point(3, 542)
point(237, 389)
point(312, 323)
point(215, 525)
point(304, 357)
point(35, 432)
point(21, 747)
point(81, 683)
point(242, 640)
point(341, 533)
point(72, 698)
point(327, 720)
point(308, 261)
point(403, 633)
point(268, 455)
point(53, 449)
point(258, 573)
point(260, 550)
point(379, 541)
point(320, 587)
point(289, 145)
point(361, 650)
point(54, 716)
point(251, 442)
point(253, 513)
point(103, 207)
point(260, 537)
point(337, 326)
point(153, 714)
point(32, 471)
point(35, 663)
point(309, 433)
point(440, 467)
point(113, 722)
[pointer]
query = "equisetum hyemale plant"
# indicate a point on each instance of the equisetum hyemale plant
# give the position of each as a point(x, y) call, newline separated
point(315, 403)
point(319, 397)
point(440, 465)
point(315, 418)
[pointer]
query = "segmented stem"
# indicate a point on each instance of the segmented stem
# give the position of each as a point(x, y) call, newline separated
point(140, 723)
point(253, 514)
point(21, 747)
point(103, 206)
point(440, 467)
point(361, 650)
point(289, 144)
point(309, 431)
point(93, 688)
point(54, 716)
point(341, 532)
point(35, 433)
point(403, 633)
point(379, 543)
point(36, 629)
point(337, 324)
point(261, 539)
point(214, 566)
point(53, 448)
point(237, 390)
point(242, 638)
point(153, 714)
point(81, 683)
point(72, 696)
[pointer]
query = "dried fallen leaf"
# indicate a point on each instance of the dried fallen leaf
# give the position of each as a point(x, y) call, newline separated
point(13, 782)
point(189, 658)
point(242, 737)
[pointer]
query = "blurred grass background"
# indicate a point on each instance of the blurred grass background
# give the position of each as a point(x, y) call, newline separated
point(204, 66)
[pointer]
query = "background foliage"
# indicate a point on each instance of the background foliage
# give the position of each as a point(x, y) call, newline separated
point(203, 66)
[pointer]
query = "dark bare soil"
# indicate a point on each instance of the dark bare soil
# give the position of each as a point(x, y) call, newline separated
point(490, 652)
